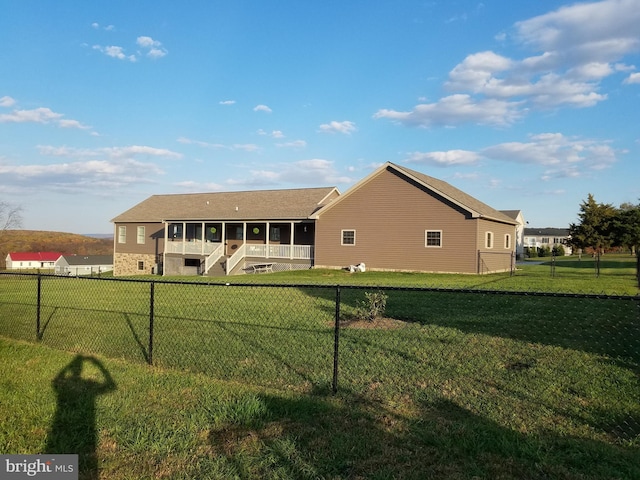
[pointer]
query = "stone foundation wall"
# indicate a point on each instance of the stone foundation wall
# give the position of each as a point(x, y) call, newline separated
point(126, 264)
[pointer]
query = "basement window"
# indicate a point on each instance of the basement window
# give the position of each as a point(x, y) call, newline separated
point(191, 262)
point(140, 265)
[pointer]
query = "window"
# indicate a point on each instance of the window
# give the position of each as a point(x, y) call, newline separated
point(141, 235)
point(122, 234)
point(274, 234)
point(348, 237)
point(507, 241)
point(545, 240)
point(140, 265)
point(433, 238)
point(489, 240)
point(191, 262)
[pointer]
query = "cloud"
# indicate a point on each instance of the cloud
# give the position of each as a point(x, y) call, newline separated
point(116, 153)
point(154, 48)
point(227, 102)
point(247, 147)
point(262, 108)
point(115, 52)
point(344, 127)
point(293, 144)
point(454, 110)
point(308, 172)
point(40, 115)
point(633, 78)
point(108, 28)
point(565, 154)
point(7, 101)
point(572, 50)
point(443, 159)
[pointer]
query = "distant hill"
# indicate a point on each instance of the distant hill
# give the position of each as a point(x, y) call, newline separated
point(44, 241)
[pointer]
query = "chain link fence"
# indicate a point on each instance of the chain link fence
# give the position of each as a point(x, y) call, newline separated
point(530, 361)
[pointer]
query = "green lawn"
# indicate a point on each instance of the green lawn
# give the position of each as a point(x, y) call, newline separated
point(449, 385)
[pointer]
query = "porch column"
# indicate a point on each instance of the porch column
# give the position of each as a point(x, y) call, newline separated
point(164, 248)
point(267, 235)
point(202, 237)
point(184, 237)
point(223, 238)
point(293, 230)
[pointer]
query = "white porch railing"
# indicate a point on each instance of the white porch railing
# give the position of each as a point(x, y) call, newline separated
point(297, 252)
point(235, 259)
point(194, 248)
point(211, 260)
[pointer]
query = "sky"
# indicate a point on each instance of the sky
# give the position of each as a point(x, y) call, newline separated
point(527, 106)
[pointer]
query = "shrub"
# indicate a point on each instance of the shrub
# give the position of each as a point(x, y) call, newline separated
point(544, 251)
point(372, 307)
point(532, 252)
point(558, 251)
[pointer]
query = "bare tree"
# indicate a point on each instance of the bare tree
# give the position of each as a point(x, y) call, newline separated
point(10, 216)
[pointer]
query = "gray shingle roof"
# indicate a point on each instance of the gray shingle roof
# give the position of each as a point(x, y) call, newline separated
point(293, 204)
point(89, 259)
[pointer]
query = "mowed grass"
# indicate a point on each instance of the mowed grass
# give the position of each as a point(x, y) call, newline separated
point(449, 385)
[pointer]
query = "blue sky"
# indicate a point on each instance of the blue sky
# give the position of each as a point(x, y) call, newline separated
point(524, 105)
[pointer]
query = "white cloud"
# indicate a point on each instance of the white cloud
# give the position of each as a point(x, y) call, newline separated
point(227, 102)
point(633, 78)
point(447, 158)
point(117, 153)
point(454, 110)
point(309, 172)
point(154, 48)
point(346, 127)
point(115, 52)
point(262, 108)
point(293, 144)
point(247, 147)
point(7, 101)
point(573, 49)
point(40, 115)
point(566, 154)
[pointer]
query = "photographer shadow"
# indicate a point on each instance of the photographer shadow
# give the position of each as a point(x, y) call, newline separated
point(73, 430)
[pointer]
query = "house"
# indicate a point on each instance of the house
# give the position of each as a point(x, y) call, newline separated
point(31, 260)
point(547, 237)
point(219, 233)
point(519, 218)
point(395, 219)
point(83, 264)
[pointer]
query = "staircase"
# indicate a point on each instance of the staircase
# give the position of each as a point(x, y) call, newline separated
point(218, 269)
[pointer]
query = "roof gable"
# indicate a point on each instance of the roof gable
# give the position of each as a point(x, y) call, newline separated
point(290, 204)
point(475, 207)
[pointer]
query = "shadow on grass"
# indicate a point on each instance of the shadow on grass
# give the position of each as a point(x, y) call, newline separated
point(73, 430)
point(353, 437)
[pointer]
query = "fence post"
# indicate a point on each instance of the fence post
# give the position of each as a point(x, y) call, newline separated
point(38, 305)
point(336, 338)
point(151, 318)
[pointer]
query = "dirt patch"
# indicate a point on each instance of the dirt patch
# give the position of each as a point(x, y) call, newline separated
point(382, 323)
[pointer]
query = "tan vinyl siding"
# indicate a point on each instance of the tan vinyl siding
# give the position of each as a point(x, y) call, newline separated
point(499, 257)
point(153, 241)
point(390, 216)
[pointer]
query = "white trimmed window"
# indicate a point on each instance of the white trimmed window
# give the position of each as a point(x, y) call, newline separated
point(348, 237)
point(433, 238)
point(140, 265)
point(489, 240)
point(507, 241)
point(122, 234)
point(140, 235)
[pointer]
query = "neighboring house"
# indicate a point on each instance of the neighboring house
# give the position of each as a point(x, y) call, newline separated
point(83, 264)
point(394, 219)
point(397, 219)
point(547, 237)
point(219, 233)
point(31, 260)
point(519, 218)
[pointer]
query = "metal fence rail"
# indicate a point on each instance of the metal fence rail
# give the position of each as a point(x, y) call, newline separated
point(465, 345)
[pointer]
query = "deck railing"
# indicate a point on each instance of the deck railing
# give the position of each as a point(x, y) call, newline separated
point(195, 247)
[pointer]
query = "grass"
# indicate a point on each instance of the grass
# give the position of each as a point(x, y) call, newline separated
point(449, 385)
point(155, 423)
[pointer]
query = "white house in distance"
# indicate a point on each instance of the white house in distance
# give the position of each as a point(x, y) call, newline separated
point(31, 260)
point(547, 237)
point(83, 264)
